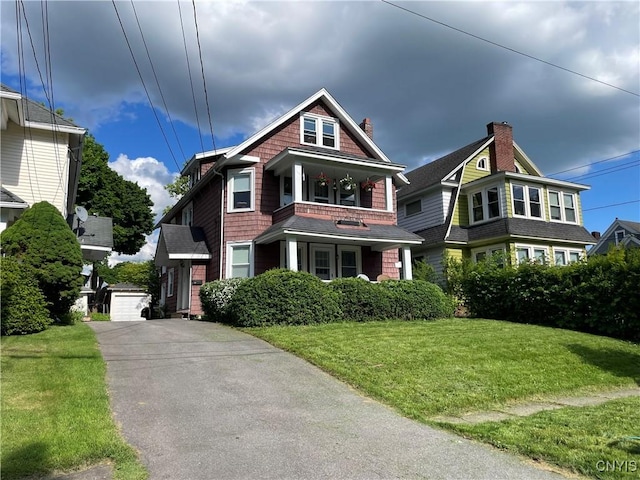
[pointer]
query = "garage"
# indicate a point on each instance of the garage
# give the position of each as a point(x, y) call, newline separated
point(128, 302)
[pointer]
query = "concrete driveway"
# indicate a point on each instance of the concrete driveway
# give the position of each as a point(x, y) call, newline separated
point(202, 401)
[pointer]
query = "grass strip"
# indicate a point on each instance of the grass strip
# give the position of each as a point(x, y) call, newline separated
point(55, 407)
point(601, 441)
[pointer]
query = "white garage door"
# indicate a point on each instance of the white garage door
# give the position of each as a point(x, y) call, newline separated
point(127, 307)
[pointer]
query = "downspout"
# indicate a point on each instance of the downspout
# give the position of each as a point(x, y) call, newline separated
point(216, 172)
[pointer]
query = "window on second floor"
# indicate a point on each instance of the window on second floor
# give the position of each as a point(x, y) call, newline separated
point(619, 236)
point(319, 131)
point(412, 208)
point(187, 215)
point(241, 194)
point(485, 204)
point(527, 201)
point(562, 206)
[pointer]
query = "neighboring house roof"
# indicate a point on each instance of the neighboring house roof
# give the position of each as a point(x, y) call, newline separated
point(125, 287)
point(435, 172)
point(95, 235)
point(607, 239)
point(382, 236)
point(508, 227)
point(181, 242)
point(37, 113)
point(11, 200)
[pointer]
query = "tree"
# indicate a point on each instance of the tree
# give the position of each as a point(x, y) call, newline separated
point(104, 192)
point(44, 243)
point(142, 274)
point(176, 189)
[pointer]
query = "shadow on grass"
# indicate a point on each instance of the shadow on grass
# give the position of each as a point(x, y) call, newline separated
point(25, 461)
point(620, 363)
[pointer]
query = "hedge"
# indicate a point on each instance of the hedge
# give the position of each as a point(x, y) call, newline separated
point(215, 297)
point(599, 295)
point(361, 300)
point(417, 300)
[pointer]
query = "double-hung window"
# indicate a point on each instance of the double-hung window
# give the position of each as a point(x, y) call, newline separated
point(565, 256)
point(241, 193)
point(527, 253)
point(319, 131)
point(562, 206)
point(240, 260)
point(485, 204)
point(526, 201)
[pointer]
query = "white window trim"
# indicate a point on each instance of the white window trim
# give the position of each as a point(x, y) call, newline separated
point(489, 250)
point(527, 201)
point(230, 181)
point(563, 218)
point(187, 214)
point(332, 258)
point(302, 255)
point(349, 248)
point(484, 160)
point(567, 252)
point(230, 246)
point(171, 282)
point(615, 236)
point(411, 203)
point(531, 251)
point(485, 204)
point(319, 119)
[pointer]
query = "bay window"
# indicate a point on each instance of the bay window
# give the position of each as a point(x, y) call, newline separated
point(562, 206)
point(485, 204)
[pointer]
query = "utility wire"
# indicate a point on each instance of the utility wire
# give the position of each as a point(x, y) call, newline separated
point(166, 108)
point(193, 93)
point(593, 163)
point(610, 205)
point(508, 48)
point(155, 114)
point(204, 81)
point(607, 171)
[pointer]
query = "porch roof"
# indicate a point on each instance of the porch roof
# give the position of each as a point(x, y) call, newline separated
point(181, 242)
point(379, 237)
point(11, 200)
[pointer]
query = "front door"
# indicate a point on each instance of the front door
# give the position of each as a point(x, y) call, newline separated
point(184, 286)
point(323, 261)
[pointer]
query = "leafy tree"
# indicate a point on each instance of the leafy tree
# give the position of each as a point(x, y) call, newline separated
point(176, 189)
point(103, 191)
point(142, 274)
point(43, 242)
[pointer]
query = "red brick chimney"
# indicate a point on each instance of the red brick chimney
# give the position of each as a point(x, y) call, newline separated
point(596, 235)
point(367, 126)
point(501, 150)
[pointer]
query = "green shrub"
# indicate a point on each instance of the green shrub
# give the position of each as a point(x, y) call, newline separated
point(215, 297)
point(71, 317)
point(100, 317)
point(42, 239)
point(283, 297)
point(361, 300)
point(23, 309)
point(417, 299)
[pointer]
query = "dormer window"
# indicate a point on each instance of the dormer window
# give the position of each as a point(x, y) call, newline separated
point(319, 131)
point(483, 164)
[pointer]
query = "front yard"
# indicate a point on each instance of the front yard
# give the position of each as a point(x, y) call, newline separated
point(426, 369)
point(55, 407)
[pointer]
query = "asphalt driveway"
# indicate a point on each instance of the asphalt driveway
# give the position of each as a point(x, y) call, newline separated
point(202, 401)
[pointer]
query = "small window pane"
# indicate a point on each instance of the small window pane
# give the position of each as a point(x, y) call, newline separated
point(493, 203)
point(478, 213)
point(242, 200)
point(240, 271)
point(574, 257)
point(523, 254)
point(560, 258)
point(240, 255)
point(554, 204)
point(518, 200)
point(328, 134)
point(413, 208)
point(569, 210)
point(309, 130)
point(539, 255)
point(534, 202)
point(322, 264)
point(242, 182)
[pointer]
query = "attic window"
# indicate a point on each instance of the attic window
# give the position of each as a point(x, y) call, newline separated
point(319, 131)
point(483, 164)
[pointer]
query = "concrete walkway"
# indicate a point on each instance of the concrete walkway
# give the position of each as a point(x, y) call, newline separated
point(203, 401)
point(526, 409)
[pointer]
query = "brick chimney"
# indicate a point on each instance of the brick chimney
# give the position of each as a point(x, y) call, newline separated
point(501, 150)
point(367, 126)
point(596, 235)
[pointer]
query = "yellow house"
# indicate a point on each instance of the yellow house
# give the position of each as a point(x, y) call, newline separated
point(489, 197)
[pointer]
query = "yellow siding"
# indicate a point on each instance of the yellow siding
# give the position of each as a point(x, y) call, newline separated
point(461, 211)
point(471, 172)
point(34, 166)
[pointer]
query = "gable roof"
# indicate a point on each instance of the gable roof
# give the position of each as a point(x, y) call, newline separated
point(334, 106)
point(181, 242)
point(607, 238)
point(435, 172)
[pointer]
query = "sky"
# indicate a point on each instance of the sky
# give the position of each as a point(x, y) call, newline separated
point(565, 75)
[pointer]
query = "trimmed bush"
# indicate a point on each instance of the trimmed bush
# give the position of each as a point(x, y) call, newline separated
point(361, 300)
point(41, 239)
point(283, 297)
point(215, 297)
point(23, 307)
point(417, 299)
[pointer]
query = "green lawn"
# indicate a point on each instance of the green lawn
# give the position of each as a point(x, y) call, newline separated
point(55, 407)
point(454, 366)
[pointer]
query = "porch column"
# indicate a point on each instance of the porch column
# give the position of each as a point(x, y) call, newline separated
point(406, 263)
point(296, 177)
point(388, 193)
point(292, 253)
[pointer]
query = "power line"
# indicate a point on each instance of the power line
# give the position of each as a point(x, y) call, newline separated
point(193, 93)
point(610, 205)
point(155, 114)
point(593, 163)
point(508, 48)
point(157, 81)
point(607, 171)
point(204, 81)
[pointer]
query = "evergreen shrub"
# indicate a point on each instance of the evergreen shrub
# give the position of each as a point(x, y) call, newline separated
point(417, 300)
point(23, 309)
point(361, 300)
point(283, 297)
